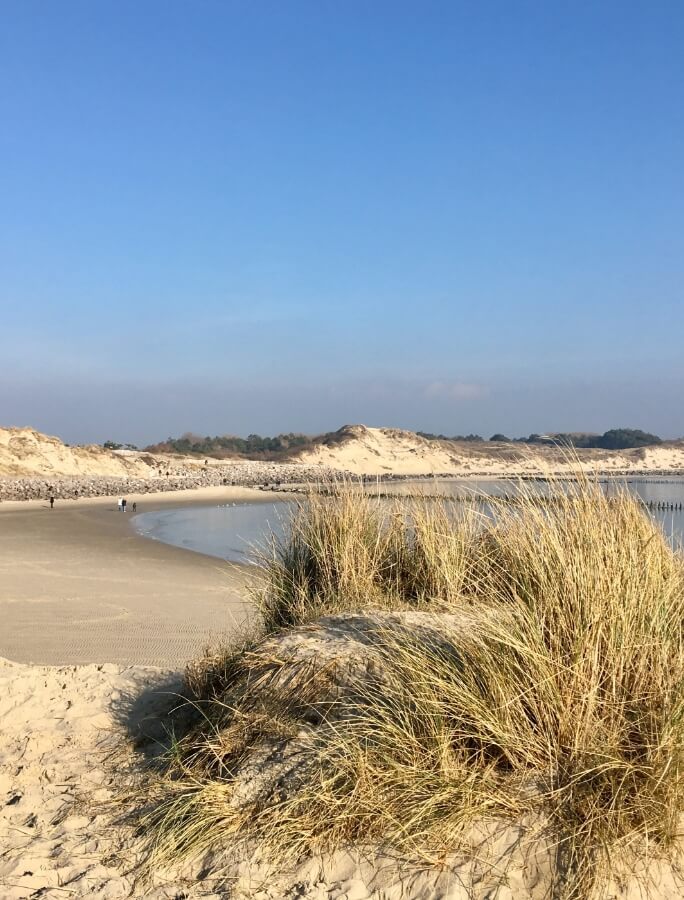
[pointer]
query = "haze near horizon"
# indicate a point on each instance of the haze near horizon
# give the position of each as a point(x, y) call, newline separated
point(234, 217)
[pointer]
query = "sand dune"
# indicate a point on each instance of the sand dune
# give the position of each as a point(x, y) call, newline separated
point(388, 451)
point(24, 451)
point(68, 734)
point(65, 731)
point(354, 449)
point(79, 586)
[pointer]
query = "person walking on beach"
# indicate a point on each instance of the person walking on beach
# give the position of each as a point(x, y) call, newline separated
point(123, 504)
point(120, 504)
point(135, 506)
point(52, 502)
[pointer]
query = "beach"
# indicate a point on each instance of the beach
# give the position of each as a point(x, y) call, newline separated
point(97, 626)
point(81, 586)
point(98, 623)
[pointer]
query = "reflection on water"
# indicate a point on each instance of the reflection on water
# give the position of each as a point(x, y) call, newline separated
point(235, 532)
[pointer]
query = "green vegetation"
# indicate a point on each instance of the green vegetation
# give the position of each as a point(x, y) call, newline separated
point(113, 445)
point(473, 438)
point(544, 685)
point(253, 447)
point(615, 439)
point(282, 446)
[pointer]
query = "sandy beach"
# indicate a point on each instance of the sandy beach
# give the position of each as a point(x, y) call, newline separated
point(97, 625)
point(341, 451)
point(81, 586)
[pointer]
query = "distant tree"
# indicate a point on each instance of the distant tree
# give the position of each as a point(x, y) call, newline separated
point(429, 436)
point(615, 439)
point(501, 438)
point(111, 445)
point(626, 438)
point(254, 446)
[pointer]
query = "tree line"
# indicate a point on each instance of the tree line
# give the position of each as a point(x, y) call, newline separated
point(227, 445)
point(614, 439)
point(256, 446)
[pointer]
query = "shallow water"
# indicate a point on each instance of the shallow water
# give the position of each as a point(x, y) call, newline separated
point(651, 490)
point(235, 532)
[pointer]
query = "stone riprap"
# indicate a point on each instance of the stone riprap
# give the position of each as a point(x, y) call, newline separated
point(175, 478)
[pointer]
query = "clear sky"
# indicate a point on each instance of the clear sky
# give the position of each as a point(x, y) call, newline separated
point(233, 217)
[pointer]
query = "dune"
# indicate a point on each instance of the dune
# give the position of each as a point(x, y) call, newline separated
point(354, 449)
point(389, 451)
point(70, 734)
point(26, 452)
point(67, 734)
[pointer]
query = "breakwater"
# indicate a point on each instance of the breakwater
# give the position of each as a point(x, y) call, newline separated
point(245, 474)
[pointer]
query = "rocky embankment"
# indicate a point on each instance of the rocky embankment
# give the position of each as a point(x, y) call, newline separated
point(176, 478)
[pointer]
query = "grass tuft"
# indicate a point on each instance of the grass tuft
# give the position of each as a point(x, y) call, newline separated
point(525, 662)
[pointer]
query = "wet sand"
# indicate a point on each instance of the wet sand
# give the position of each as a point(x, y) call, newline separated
point(79, 585)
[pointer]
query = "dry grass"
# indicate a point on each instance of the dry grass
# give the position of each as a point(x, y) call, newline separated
point(349, 552)
point(560, 699)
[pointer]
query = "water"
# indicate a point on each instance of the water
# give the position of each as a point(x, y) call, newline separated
point(235, 531)
point(651, 490)
point(232, 532)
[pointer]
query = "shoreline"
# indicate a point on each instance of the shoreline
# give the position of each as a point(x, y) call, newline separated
point(81, 585)
point(148, 501)
point(152, 499)
point(177, 478)
point(67, 722)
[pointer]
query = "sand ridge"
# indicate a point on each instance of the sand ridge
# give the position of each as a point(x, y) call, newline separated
point(390, 451)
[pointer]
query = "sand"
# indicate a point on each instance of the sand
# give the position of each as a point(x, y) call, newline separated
point(389, 451)
point(66, 732)
point(25, 451)
point(107, 620)
point(79, 585)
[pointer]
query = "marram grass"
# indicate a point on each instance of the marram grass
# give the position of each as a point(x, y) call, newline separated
point(558, 700)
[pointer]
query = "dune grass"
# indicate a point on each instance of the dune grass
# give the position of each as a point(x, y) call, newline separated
point(557, 696)
point(350, 552)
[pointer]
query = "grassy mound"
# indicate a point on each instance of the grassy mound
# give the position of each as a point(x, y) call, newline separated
point(523, 665)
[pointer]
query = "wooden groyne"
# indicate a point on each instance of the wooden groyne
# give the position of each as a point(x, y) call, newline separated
point(479, 498)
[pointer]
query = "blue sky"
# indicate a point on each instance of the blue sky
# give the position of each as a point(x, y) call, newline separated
point(230, 217)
